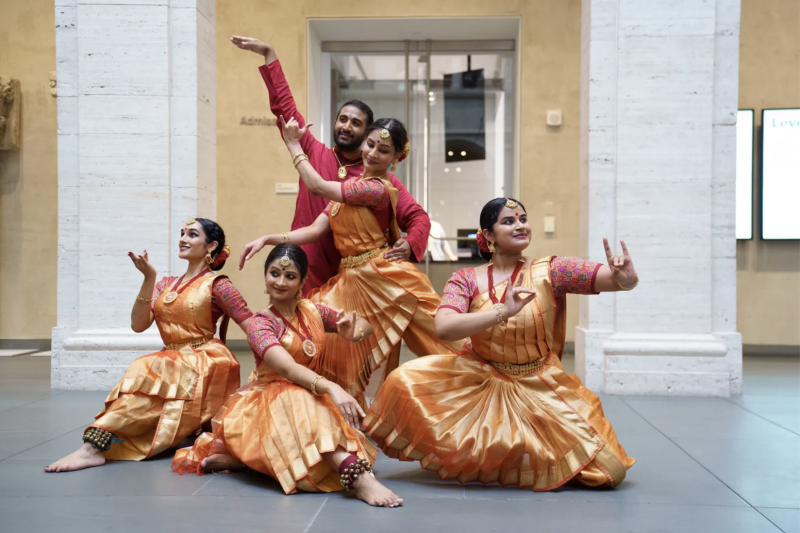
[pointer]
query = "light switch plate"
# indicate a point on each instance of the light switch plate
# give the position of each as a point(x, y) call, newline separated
point(287, 188)
point(549, 224)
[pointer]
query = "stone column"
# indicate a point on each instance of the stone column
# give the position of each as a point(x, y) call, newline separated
point(659, 89)
point(136, 157)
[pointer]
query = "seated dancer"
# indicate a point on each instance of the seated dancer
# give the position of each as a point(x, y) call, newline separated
point(396, 298)
point(290, 422)
point(337, 164)
point(166, 396)
point(506, 411)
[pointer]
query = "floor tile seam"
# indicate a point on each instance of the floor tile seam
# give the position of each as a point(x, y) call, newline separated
point(33, 402)
point(762, 417)
point(314, 518)
point(784, 508)
point(704, 467)
point(43, 442)
point(618, 502)
point(211, 478)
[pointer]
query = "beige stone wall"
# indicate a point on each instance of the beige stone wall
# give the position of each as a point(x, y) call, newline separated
point(251, 159)
point(28, 177)
point(769, 77)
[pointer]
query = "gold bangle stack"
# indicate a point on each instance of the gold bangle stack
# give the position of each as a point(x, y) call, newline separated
point(314, 386)
point(623, 287)
point(299, 158)
point(144, 300)
point(285, 237)
point(498, 309)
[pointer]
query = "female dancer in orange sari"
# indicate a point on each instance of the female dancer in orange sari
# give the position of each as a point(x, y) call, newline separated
point(396, 298)
point(506, 411)
point(290, 422)
point(166, 396)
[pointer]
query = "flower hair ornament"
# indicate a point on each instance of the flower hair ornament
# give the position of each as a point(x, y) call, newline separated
point(403, 154)
point(221, 257)
point(483, 244)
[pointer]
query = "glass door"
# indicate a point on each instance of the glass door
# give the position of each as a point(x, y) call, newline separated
point(457, 102)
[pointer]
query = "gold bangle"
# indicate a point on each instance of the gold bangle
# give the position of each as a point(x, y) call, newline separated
point(285, 237)
point(303, 158)
point(301, 154)
point(144, 300)
point(362, 333)
point(314, 386)
point(623, 287)
point(498, 309)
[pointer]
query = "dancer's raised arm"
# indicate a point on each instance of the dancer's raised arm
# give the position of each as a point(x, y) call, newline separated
point(299, 236)
point(292, 134)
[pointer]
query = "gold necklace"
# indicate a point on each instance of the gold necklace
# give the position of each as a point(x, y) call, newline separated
point(343, 168)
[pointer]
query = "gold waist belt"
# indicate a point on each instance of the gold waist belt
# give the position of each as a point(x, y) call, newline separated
point(194, 343)
point(511, 369)
point(358, 260)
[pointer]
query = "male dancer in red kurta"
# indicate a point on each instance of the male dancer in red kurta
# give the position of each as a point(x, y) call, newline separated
point(351, 122)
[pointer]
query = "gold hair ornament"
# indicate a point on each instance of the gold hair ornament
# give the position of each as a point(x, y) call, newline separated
point(511, 204)
point(285, 261)
point(385, 134)
point(190, 222)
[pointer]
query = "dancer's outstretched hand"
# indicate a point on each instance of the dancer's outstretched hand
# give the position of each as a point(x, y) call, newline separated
point(621, 265)
point(517, 297)
point(292, 132)
point(254, 45)
point(252, 248)
point(142, 264)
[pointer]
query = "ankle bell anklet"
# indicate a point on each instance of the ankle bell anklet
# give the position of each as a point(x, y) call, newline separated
point(99, 438)
point(352, 471)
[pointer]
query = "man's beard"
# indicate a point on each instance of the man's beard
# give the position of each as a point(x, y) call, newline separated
point(349, 146)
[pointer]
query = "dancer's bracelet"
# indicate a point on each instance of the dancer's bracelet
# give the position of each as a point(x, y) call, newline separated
point(625, 288)
point(314, 386)
point(144, 300)
point(498, 309)
point(299, 159)
point(362, 333)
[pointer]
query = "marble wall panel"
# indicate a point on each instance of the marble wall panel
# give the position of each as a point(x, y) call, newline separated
point(102, 114)
point(123, 49)
point(183, 47)
point(67, 49)
point(126, 160)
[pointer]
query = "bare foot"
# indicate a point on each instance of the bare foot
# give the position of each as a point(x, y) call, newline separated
point(86, 456)
point(370, 490)
point(220, 461)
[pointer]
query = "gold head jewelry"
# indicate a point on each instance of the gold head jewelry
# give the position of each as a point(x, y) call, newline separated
point(385, 134)
point(190, 222)
point(285, 261)
point(407, 148)
point(511, 204)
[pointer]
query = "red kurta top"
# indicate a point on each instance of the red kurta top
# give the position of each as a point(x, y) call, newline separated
point(323, 258)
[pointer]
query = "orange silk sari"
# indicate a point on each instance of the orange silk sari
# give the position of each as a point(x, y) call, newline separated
point(166, 396)
point(281, 429)
point(396, 298)
point(464, 419)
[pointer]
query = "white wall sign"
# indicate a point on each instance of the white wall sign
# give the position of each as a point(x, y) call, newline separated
point(780, 214)
point(744, 174)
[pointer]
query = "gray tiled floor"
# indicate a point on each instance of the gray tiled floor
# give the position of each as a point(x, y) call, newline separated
point(704, 464)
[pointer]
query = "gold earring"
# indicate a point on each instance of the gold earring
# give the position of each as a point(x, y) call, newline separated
point(209, 259)
point(394, 166)
point(492, 249)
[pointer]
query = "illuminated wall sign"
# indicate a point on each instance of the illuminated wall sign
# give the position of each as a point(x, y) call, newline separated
point(780, 190)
